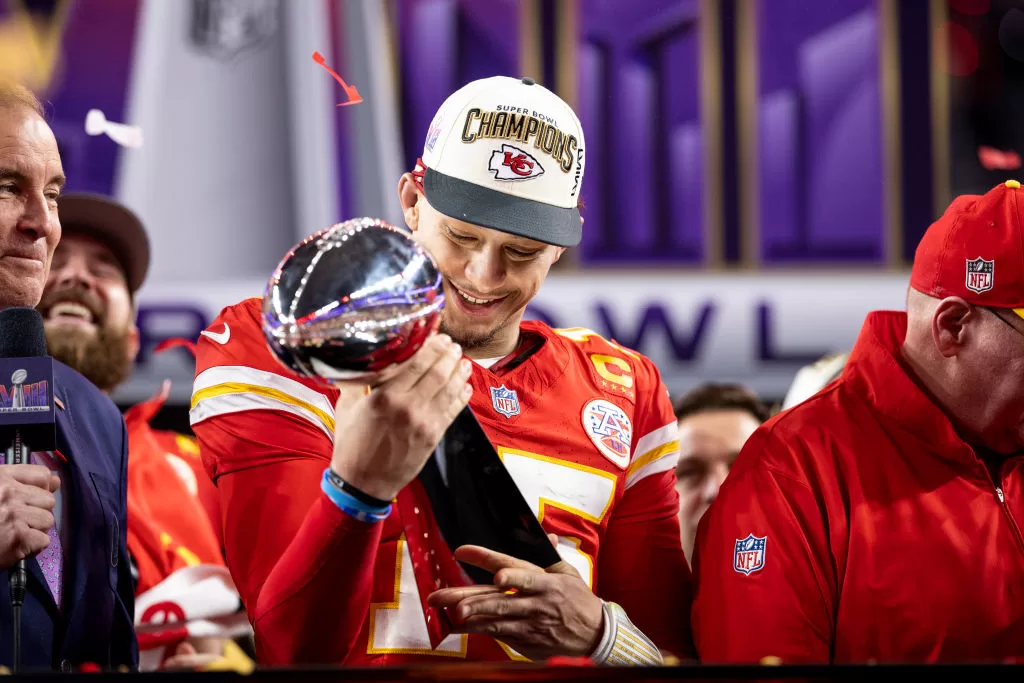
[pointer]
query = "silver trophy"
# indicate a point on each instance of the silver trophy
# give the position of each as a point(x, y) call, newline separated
point(351, 300)
point(18, 389)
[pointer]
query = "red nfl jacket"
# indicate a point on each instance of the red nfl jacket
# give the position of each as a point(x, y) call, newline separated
point(858, 526)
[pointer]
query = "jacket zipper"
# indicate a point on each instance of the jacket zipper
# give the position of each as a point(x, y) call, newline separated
point(1009, 516)
point(1002, 503)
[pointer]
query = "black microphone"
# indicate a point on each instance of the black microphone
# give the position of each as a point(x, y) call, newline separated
point(27, 421)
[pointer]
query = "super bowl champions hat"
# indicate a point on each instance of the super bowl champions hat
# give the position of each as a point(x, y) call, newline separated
point(507, 154)
point(975, 250)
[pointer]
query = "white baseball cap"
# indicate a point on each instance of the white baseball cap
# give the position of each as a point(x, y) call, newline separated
point(507, 154)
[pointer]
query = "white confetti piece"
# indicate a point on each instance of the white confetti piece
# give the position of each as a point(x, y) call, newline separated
point(121, 133)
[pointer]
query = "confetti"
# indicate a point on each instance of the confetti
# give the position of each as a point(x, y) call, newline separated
point(350, 90)
point(121, 133)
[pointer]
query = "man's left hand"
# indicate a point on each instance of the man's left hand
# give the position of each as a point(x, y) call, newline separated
point(539, 613)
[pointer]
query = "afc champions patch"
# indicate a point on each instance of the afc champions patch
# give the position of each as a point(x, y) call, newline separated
point(512, 163)
point(505, 400)
point(610, 429)
point(980, 275)
point(749, 554)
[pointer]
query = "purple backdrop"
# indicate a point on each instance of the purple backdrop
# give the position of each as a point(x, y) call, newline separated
point(93, 70)
point(444, 45)
point(639, 65)
point(640, 109)
point(820, 131)
point(819, 119)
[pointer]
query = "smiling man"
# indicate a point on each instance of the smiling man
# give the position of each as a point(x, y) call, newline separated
point(88, 304)
point(88, 307)
point(326, 565)
point(64, 513)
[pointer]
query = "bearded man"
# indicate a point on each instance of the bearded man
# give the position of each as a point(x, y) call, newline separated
point(89, 308)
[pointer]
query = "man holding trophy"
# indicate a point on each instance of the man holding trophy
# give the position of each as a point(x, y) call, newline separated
point(347, 482)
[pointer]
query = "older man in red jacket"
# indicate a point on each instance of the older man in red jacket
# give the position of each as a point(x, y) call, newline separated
point(880, 520)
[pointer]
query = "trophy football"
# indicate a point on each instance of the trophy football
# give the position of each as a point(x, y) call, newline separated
point(351, 300)
point(357, 297)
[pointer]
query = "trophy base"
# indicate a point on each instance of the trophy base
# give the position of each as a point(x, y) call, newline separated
point(475, 501)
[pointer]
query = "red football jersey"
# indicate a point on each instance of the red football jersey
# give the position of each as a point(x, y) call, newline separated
point(584, 427)
point(168, 528)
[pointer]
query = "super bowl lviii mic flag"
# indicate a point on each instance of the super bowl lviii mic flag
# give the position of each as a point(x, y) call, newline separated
point(26, 382)
point(355, 298)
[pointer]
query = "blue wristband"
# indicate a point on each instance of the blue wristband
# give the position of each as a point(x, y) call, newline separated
point(352, 506)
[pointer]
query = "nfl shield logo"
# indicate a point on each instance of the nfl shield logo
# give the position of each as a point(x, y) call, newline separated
point(749, 554)
point(433, 132)
point(224, 28)
point(505, 401)
point(980, 275)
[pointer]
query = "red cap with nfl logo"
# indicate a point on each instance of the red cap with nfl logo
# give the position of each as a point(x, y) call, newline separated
point(976, 250)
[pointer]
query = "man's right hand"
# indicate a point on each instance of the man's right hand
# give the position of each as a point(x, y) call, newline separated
point(26, 505)
point(383, 439)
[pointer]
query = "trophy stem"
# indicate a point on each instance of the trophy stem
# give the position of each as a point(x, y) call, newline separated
point(476, 502)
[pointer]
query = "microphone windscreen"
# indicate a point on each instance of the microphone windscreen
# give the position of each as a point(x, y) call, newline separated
point(21, 333)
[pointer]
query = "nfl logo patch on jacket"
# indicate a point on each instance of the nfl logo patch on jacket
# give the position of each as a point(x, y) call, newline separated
point(749, 554)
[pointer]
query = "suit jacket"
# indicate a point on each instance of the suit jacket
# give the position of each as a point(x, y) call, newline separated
point(95, 623)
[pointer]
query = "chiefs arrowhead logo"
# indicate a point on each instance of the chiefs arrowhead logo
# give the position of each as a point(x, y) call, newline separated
point(512, 163)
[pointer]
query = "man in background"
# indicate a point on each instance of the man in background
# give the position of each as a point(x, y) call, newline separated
point(715, 421)
point(65, 512)
point(88, 307)
point(879, 520)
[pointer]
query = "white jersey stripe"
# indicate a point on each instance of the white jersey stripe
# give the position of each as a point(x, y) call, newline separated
point(239, 402)
point(242, 374)
point(656, 439)
point(655, 452)
point(237, 388)
point(666, 462)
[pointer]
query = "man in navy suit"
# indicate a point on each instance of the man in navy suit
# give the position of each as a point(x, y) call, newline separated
point(66, 511)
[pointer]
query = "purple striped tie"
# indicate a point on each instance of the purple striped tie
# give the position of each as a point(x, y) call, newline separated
point(51, 562)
